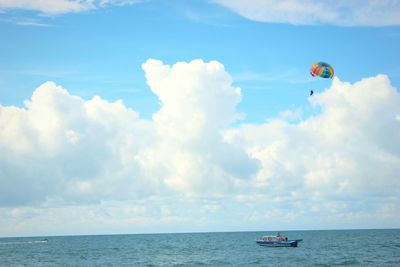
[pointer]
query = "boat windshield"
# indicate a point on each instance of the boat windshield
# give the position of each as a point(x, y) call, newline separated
point(269, 238)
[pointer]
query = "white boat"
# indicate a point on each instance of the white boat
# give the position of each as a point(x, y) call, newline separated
point(277, 241)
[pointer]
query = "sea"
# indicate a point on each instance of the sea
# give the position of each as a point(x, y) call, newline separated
point(318, 248)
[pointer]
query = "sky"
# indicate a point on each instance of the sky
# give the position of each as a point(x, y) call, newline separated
point(129, 116)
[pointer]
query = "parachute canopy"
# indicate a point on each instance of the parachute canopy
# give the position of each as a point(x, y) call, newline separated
point(321, 69)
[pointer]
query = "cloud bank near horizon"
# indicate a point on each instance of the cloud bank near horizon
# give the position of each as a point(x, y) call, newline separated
point(60, 150)
point(312, 12)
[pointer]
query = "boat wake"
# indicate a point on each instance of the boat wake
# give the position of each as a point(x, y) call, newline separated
point(24, 242)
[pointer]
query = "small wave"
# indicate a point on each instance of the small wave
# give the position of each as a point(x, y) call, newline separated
point(348, 262)
point(41, 241)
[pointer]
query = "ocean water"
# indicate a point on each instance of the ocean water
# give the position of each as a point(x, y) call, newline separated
point(319, 248)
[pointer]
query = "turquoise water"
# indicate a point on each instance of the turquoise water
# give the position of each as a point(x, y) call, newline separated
point(319, 248)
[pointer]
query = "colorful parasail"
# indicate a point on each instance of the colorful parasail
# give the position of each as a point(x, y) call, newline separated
point(322, 69)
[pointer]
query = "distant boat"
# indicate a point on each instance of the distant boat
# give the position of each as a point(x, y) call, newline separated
point(277, 241)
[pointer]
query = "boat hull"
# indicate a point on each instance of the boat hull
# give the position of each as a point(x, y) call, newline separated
point(289, 243)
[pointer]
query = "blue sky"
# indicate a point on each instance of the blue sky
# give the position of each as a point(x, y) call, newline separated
point(243, 143)
point(100, 52)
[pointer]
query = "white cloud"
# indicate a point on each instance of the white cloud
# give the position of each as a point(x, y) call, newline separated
point(48, 7)
point(55, 7)
point(27, 22)
point(60, 151)
point(62, 145)
point(196, 98)
point(119, 2)
point(309, 12)
point(350, 150)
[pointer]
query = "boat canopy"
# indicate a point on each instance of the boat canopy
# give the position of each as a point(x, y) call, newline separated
point(273, 238)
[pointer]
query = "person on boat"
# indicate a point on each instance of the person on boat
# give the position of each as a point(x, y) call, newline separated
point(279, 237)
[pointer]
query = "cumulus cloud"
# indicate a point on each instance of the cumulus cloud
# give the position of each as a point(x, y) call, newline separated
point(59, 151)
point(339, 160)
point(85, 151)
point(60, 144)
point(55, 7)
point(196, 98)
point(309, 12)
